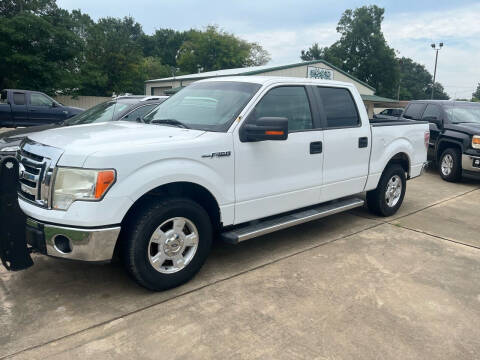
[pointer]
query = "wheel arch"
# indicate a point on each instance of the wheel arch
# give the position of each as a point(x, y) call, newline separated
point(191, 190)
point(445, 144)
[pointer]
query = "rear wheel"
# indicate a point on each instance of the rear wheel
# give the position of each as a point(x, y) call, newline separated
point(387, 198)
point(166, 244)
point(450, 166)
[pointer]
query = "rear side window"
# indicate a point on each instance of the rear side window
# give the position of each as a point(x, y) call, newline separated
point(290, 102)
point(339, 107)
point(19, 98)
point(432, 111)
point(414, 111)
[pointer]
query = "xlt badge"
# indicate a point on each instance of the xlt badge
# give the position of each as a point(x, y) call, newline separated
point(217, 154)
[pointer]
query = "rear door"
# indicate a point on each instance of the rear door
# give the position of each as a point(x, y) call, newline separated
point(272, 177)
point(41, 110)
point(19, 109)
point(5, 110)
point(346, 143)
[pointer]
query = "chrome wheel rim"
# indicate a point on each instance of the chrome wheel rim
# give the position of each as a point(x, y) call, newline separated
point(394, 191)
point(173, 245)
point(447, 164)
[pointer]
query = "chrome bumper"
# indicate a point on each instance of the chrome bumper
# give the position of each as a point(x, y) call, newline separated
point(467, 163)
point(73, 243)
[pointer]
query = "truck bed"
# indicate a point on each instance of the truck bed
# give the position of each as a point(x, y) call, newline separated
point(388, 122)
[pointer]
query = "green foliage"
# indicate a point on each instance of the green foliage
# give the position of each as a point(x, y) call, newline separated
point(416, 82)
point(214, 49)
point(363, 52)
point(50, 49)
point(476, 94)
point(39, 52)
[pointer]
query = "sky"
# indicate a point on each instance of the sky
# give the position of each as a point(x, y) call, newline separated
point(284, 28)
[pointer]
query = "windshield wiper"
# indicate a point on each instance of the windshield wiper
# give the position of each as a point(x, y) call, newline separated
point(173, 122)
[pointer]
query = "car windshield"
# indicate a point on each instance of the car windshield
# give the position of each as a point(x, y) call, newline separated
point(99, 113)
point(463, 113)
point(210, 106)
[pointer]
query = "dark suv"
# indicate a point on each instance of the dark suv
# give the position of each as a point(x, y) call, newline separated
point(454, 135)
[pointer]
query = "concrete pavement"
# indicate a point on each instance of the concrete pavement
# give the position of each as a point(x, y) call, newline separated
point(348, 286)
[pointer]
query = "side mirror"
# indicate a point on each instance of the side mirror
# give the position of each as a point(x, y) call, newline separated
point(265, 128)
point(433, 120)
point(138, 120)
point(54, 104)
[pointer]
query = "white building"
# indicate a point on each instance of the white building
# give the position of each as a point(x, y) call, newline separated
point(316, 69)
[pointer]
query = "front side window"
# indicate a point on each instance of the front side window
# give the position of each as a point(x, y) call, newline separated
point(19, 98)
point(339, 107)
point(209, 106)
point(40, 100)
point(290, 102)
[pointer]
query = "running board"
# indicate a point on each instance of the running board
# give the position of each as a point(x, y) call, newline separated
point(280, 222)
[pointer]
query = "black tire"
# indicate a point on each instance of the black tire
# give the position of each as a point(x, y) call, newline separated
point(376, 199)
point(455, 173)
point(139, 230)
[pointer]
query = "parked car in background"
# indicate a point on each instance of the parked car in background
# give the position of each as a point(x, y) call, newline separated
point(454, 135)
point(30, 108)
point(131, 108)
point(234, 156)
point(389, 114)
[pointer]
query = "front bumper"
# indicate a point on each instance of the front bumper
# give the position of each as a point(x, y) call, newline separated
point(468, 170)
point(73, 243)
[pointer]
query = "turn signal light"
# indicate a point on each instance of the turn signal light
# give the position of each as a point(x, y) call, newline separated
point(104, 180)
point(273, 132)
point(476, 142)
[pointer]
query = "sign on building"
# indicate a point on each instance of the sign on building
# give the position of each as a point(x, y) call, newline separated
point(319, 73)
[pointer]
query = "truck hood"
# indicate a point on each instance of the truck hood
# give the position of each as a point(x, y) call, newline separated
point(467, 128)
point(80, 141)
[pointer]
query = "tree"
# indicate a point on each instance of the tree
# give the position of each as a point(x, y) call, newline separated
point(416, 82)
point(362, 49)
point(113, 58)
point(39, 52)
point(258, 56)
point(214, 49)
point(476, 94)
point(10, 8)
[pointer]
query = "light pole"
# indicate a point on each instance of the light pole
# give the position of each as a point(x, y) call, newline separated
point(434, 47)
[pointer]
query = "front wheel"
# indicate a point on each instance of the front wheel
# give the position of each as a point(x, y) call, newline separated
point(387, 198)
point(167, 243)
point(451, 165)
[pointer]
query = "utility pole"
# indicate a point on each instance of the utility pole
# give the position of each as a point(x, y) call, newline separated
point(434, 47)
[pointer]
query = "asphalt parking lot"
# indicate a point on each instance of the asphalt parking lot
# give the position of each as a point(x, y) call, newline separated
point(351, 286)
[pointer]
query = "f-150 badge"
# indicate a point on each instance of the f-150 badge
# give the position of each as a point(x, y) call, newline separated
point(217, 154)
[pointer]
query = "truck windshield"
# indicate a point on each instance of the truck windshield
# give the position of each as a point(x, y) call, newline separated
point(209, 106)
point(99, 113)
point(463, 114)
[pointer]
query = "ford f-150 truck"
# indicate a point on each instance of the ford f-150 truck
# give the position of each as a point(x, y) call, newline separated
point(235, 157)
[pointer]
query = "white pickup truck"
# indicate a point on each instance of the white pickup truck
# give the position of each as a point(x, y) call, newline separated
point(235, 157)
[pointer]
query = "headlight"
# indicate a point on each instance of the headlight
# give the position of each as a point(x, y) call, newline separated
point(80, 184)
point(476, 142)
point(10, 148)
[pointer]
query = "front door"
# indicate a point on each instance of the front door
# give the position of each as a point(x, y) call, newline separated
point(41, 110)
point(277, 176)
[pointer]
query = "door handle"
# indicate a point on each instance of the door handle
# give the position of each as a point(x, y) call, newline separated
point(316, 147)
point(363, 142)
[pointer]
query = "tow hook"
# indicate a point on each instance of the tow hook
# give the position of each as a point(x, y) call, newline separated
point(14, 253)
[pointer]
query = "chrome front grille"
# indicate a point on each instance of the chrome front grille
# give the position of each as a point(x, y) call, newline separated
point(36, 170)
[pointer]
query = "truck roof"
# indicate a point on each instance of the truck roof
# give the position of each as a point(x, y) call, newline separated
point(263, 80)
